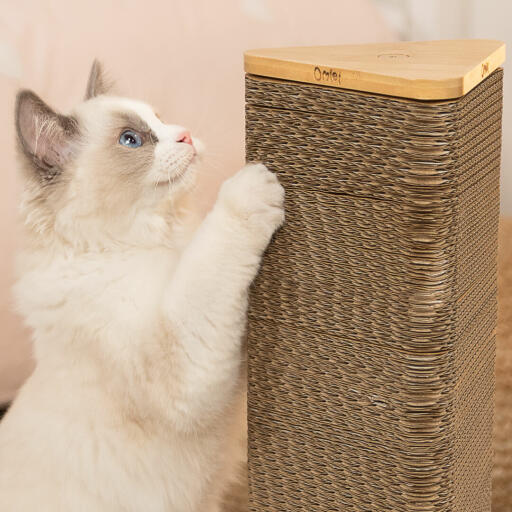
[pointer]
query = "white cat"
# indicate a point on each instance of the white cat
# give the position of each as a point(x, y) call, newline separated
point(137, 314)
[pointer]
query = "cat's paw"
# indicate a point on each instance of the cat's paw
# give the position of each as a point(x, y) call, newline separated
point(255, 198)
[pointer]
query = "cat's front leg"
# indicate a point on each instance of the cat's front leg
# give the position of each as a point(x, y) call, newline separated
point(207, 299)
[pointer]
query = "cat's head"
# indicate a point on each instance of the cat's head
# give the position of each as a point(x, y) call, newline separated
point(110, 171)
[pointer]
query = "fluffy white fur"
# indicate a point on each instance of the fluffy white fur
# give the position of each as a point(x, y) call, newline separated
point(138, 317)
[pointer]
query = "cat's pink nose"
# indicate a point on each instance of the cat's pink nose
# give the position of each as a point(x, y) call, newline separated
point(185, 137)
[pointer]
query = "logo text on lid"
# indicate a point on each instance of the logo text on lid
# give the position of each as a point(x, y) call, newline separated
point(334, 76)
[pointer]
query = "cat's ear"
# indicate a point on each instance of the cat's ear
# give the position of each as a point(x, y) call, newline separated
point(97, 83)
point(46, 139)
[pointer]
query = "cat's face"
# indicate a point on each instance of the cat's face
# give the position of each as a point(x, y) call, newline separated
point(97, 172)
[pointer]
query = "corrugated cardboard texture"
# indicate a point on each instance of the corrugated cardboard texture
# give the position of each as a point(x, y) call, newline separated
point(371, 336)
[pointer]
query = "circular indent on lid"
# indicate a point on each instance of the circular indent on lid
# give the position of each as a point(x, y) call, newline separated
point(396, 55)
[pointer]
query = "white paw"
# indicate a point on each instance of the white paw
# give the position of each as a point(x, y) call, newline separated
point(255, 197)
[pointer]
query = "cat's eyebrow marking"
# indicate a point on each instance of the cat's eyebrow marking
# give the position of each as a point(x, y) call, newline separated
point(130, 120)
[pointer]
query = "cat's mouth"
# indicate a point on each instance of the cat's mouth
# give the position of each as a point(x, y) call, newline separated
point(177, 170)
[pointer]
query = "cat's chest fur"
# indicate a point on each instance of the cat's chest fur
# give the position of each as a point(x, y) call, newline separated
point(111, 296)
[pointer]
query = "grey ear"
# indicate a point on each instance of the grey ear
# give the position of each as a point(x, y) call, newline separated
point(45, 138)
point(97, 84)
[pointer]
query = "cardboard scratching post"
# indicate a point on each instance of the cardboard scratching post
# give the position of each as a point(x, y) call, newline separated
point(372, 323)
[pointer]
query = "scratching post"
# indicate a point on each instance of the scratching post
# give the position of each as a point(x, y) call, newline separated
point(371, 334)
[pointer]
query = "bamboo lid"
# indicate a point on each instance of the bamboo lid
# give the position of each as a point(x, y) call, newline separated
point(426, 70)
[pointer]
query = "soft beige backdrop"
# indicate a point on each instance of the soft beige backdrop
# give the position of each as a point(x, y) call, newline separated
point(183, 57)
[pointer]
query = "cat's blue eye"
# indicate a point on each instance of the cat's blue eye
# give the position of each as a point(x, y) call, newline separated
point(130, 139)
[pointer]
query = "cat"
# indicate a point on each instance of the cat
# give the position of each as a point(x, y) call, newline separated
point(137, 308)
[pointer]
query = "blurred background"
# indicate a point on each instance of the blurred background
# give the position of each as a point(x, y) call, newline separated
point(185, 58)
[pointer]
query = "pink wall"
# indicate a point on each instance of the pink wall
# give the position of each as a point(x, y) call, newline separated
point(185, 58)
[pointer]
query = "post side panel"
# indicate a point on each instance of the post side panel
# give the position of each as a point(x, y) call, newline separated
point(369, 343)
point(478, 175)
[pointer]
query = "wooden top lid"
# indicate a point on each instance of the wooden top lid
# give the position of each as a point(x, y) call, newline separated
point(426, 70)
